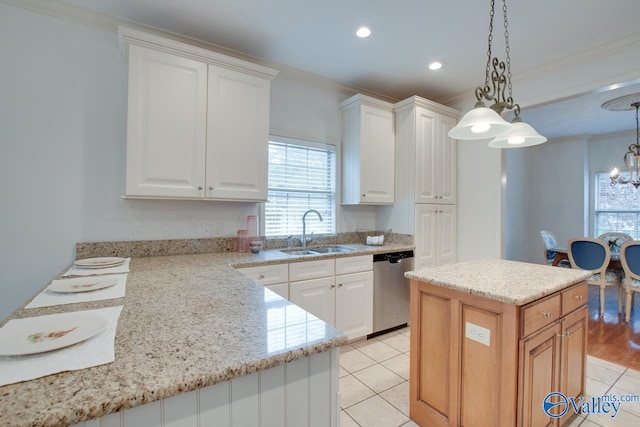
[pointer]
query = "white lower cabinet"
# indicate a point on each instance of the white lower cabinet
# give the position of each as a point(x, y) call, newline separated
point(338, 291)
point(281, 289)
point(343, 299)
point(315, 296)
point(272, 276)
point(354, 304)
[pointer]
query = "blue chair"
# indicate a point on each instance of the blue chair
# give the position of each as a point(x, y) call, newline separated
point(593, 255)
point(550, 242)
point(630, 260)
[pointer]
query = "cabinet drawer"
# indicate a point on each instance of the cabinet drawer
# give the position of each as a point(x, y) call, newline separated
point(311, 269)
point(574, 297)
point(354, 264)
point(540, 314)
point(267, 274)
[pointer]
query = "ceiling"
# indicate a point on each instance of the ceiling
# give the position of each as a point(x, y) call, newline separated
point(319, 37)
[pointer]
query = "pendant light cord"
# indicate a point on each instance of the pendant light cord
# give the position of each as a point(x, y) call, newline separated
point(488, 67)
point(507, 49)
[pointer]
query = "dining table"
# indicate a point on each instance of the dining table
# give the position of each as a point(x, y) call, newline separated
point(562, 253)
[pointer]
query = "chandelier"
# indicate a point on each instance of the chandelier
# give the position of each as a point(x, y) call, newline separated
point(482, 122)
point(632, 157)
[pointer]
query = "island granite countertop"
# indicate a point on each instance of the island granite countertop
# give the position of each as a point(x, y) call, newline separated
point(189, 321)
point(512, 282)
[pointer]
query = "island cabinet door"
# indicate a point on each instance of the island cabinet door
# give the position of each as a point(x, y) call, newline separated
point(463, 359)
point(539, 375)
point(573, 362)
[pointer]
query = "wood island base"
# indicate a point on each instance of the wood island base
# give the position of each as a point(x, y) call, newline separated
point(477, 361)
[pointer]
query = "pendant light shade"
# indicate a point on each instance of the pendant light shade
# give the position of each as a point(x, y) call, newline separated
point(520, 135)
point(480, 123)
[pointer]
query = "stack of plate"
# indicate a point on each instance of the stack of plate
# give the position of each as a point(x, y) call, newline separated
point(101, 262)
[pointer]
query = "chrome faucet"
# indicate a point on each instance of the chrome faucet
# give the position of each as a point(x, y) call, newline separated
point(304, 227)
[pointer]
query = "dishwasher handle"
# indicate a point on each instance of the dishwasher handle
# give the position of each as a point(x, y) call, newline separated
point(393, 257)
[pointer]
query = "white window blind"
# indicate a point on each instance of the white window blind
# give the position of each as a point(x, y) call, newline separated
point(617, 207)
point(301, 177)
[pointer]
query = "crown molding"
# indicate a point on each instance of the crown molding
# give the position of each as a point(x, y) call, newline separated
point(69, 12)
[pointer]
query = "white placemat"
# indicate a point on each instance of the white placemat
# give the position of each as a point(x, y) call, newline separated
point(78, 271)
point(97, 350)
point(48, 298)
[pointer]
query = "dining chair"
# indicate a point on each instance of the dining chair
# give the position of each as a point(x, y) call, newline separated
point(615, 240)
point(594, 255)
point(630, 260)
point(550, 242)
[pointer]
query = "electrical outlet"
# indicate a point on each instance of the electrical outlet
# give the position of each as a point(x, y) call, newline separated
point(478, 333)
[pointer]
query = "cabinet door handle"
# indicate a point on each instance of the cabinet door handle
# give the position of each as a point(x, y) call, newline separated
point(340, 285)
point(364, 195)
point(261, 276)
point(200, 187)
point(562, 335)
point(332, 286)
point(211, 187)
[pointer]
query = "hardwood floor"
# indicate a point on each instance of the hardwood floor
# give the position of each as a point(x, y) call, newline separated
point(610, 337)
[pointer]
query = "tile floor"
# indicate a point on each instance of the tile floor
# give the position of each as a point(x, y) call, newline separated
point(374, 385)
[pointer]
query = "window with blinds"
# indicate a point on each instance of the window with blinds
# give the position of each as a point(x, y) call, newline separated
point(617, 207)
point(302, 176)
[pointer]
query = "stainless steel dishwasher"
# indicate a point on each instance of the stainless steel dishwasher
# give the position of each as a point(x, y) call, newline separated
point(390, 290)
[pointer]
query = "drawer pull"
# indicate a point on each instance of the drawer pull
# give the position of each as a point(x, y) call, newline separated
point(261, 276)
point(546, 314)
point(332, 286)
point(579, 297)
point(340, 285)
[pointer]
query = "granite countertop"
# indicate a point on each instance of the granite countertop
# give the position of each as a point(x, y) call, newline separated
point(512, 282)
point(189, 321)
point(278, 256)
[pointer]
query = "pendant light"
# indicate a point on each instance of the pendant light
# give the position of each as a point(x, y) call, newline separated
point(485, 122)
point(632, 157)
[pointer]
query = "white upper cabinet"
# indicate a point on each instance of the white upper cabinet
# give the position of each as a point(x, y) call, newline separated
point(237, 135)
point(198, 122)
point(166, 127)
point(436, 162)
point(368, 151)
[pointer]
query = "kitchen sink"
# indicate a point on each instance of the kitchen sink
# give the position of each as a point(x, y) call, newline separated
point(298, 252)
point(330, 250)
point(316, 251)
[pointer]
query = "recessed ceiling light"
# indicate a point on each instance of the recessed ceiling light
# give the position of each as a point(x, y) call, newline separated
point(436, 65)
point(363, 32)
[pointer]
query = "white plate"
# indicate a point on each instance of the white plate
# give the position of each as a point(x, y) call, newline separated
point(34, 335)
point(82, 284)
point(101, 262)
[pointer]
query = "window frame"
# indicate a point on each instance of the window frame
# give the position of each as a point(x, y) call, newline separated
point(317, 145)
point(597, 210)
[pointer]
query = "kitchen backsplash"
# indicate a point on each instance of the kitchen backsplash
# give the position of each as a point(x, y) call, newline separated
point(145, 248)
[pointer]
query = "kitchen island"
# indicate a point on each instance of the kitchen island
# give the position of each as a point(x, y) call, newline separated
point(196, 342)
point(490, 339)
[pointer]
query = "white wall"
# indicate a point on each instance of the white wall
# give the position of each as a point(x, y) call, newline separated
point(480, 207)
point(516, 198)
point(63, 98)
